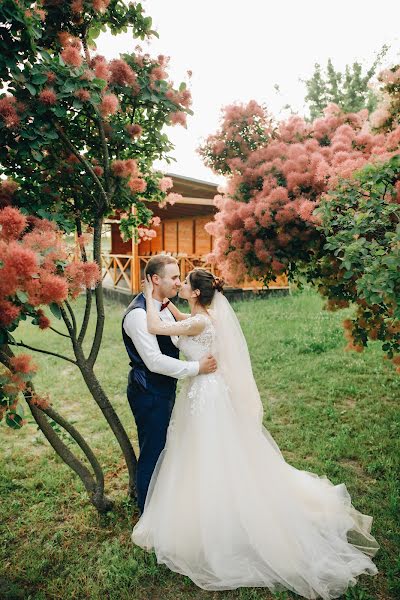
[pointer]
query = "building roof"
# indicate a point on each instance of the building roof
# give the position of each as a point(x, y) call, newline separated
point(193, 188)
point(197, 199)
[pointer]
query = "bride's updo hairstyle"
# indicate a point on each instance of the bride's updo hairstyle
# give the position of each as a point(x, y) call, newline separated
point(206, 283)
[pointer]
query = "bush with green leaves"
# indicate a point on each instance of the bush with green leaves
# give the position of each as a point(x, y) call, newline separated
point(360, 259)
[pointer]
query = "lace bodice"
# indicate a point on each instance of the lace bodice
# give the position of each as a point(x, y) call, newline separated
point(195, 347)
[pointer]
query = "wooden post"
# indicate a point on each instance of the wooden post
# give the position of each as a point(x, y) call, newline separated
point(135, 275)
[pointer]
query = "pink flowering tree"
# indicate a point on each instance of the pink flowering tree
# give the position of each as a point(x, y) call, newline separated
point(80, 134)
point(293, 203)
point(265, 225)
point(35, 273)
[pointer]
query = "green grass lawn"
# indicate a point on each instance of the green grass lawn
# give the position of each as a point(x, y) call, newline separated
point(332, 412)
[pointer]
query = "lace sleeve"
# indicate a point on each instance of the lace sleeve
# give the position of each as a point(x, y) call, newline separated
point(191, 326)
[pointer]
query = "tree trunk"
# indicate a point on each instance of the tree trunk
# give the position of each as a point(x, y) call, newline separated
point(94, 485)
point(112, 419)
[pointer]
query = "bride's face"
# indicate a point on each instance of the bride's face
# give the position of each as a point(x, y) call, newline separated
point(185, 291)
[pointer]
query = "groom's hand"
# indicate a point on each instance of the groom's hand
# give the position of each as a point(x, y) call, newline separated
point(208, 364)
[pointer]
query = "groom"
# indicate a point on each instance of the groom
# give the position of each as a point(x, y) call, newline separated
point(155, 369)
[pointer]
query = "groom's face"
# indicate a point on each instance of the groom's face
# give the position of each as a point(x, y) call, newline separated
point(170, 281)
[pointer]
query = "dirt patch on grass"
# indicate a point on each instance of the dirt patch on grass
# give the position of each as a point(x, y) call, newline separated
point(349, 402)
point(356, 466)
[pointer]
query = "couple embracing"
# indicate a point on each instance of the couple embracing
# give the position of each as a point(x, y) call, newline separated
point(218, 501)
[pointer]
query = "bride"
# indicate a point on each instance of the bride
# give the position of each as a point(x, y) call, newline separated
point(223, 506)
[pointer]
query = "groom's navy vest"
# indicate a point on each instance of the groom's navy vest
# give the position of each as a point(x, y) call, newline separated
point(152, 382)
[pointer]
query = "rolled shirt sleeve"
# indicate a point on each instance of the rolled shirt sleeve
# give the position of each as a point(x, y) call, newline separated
point(135, 325)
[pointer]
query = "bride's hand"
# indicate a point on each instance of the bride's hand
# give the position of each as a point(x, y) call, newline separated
point(147, 286)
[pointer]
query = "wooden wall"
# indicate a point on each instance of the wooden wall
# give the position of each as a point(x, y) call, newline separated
point(186, 236)
point(118, 246)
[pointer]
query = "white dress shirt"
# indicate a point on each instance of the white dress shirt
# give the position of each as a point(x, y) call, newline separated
point(135, 326)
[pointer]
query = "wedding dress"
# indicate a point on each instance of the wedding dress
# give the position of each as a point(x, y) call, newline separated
point(223, 506)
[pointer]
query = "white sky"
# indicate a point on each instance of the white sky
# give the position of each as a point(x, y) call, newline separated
point(238, 49)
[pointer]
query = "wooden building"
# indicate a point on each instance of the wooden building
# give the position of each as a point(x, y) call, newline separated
point(181, 234)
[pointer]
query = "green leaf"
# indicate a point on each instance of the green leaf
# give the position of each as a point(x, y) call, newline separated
point(38, 156)
point(68, 87)
point(22, 296)
point(55, 309)
point(99, 82)
point(13, 420)
point(52, 134)
point(31, 88)
point(39, 78)
point(59, 111)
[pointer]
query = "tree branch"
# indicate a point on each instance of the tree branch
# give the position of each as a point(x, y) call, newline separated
point(86, 317)
point(88, 305)
point(67, 323)
point(94, 351)
point(81, 159)
point(78, 225)
point(106, 159)
point(22, 345)
point(59, 332)
point(83, 445)
point(72, 314)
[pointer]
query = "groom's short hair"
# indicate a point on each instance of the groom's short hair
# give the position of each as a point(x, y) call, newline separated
point(156, 264)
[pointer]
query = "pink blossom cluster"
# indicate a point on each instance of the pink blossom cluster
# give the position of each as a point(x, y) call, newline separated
point(146, 234)
point(8, 187)
point(137, 185)
point(121, 73)
point(9, 111)
point(386, 117)
point(134, 130)
point(125, 168)
point(80, 276)
point(165, 183)
point(183, 97)
point(100, 6)
point(29, 258)
point(15, 380)
point(82, 95)
point(48, 96)
point(109, 105)
point(266, 218)
point(71, 53)
point(178, 118)
point(129, 170)
point(170, 198)
point(244, 128)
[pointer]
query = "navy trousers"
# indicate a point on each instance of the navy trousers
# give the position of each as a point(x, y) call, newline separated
point(152, 411)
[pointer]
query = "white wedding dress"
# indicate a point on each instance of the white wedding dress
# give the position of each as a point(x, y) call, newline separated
point(225, 509)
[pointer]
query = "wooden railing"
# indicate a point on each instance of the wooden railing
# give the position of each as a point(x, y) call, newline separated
point(122, 271)
point(117, 271)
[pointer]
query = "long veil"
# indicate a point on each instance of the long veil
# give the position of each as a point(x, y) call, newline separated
point(234, 363)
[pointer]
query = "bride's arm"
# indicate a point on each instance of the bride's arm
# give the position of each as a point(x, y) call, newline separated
point(178, 315)
point(192, 326)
